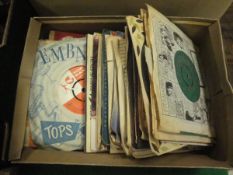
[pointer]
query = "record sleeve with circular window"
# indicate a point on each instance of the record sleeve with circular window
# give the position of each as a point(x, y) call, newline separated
point(179, 86)
point(57, 95)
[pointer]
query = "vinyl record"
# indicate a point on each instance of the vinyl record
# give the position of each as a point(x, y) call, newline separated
point(72, 90)
point(187, 76)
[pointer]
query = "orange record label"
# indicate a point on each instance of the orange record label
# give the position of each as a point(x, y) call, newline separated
point(72, 90)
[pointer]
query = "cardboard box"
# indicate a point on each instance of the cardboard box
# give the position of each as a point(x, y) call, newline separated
point(206, 34)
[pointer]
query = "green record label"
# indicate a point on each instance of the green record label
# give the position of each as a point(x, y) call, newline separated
point(187, 76)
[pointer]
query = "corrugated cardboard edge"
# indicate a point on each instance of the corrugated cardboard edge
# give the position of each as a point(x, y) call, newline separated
point(22, 95)
point(7, 26)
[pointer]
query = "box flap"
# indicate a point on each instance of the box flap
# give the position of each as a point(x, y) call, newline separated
point(20, 113)
point(197, 8)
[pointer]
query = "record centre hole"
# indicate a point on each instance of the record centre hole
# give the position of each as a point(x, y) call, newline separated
point(82, 90)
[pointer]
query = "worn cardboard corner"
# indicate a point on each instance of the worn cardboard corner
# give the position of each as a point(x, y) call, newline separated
point(22, 94)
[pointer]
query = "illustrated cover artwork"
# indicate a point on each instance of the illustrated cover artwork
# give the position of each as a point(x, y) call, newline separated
point(179, 86)
point(57, 96)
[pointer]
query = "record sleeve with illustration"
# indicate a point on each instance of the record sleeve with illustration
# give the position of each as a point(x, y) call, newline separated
point(179, 88)
point(57, 96)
